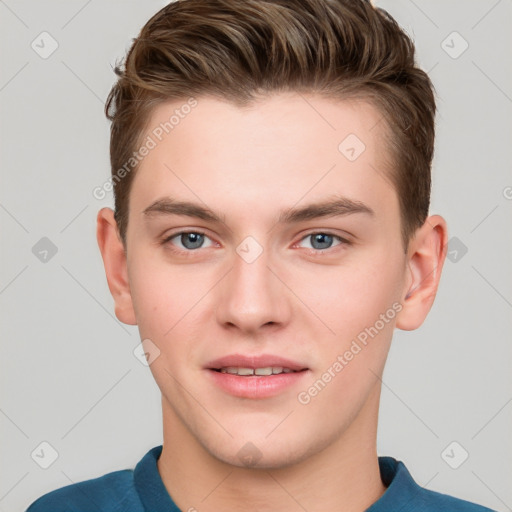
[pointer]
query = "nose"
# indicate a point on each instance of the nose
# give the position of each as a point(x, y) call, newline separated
point(252, 297)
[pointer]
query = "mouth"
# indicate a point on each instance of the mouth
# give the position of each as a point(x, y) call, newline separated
point(257, 372)
point(255, 377)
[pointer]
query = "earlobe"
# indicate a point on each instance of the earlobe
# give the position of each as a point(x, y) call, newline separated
point(425, 259)
point(114, 260)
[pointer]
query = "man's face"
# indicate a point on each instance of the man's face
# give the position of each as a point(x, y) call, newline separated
point(263, 288)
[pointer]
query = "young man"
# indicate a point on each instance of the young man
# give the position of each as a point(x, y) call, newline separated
point(271, 167)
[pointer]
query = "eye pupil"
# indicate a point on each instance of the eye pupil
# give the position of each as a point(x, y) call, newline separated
point(324, 239)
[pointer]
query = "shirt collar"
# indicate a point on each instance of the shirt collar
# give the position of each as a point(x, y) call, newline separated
point(401, 488)
point(149, 484)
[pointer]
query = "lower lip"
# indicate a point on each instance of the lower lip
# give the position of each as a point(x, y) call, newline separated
point(256, 386)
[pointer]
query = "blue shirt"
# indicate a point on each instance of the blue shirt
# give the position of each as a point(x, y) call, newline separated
point(142, 490)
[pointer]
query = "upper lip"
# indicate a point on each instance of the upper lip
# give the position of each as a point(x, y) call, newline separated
point(260, 361)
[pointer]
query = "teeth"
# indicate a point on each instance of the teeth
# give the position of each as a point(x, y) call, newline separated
point(263, 371)
point(245, 372)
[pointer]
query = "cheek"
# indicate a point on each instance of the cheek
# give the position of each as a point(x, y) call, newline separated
point(358, 303)
point(351, 297)
point(165, 297)
point(153, 304)
point(349, 363)
point(166, 301)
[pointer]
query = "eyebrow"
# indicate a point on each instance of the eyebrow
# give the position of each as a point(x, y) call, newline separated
point(337, 206)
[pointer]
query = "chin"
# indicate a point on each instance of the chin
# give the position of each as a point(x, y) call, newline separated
point(261, 453)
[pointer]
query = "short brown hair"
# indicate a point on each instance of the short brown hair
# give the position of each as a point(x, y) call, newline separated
point(237, 50)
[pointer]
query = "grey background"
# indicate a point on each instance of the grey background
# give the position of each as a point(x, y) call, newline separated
point(68, 373)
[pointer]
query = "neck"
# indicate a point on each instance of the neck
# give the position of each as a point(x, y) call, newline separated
point(345, 476)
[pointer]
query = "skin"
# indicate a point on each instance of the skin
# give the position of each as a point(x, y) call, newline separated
point(248, 165)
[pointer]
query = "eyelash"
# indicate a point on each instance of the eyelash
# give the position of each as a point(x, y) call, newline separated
point(189, 252)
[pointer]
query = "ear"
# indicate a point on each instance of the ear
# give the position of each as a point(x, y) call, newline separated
point(114, 260)
point(425, 259)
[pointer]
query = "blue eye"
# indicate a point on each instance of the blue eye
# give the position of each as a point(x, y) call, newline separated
point(321, 241)
point(189, 240)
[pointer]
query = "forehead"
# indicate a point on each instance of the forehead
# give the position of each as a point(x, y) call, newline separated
point(280, 148)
